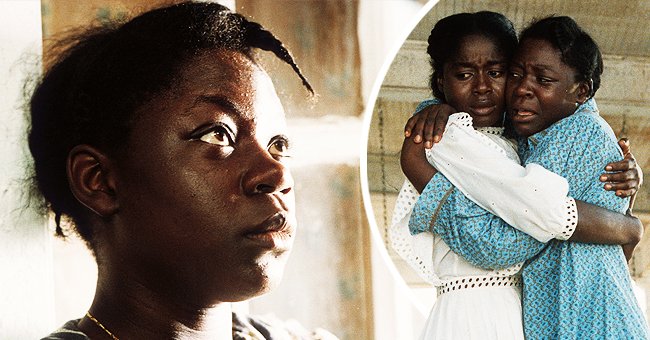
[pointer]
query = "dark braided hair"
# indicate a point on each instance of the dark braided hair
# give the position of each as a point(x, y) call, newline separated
point(103, 75)
point(577, 48)
point(448, 33)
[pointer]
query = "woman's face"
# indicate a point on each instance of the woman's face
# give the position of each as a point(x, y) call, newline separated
point(474, 81)
point(206, 201)
point(541, 88)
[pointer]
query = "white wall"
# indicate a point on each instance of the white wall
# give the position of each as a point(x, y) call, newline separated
point(383, 27)
point(382, 30)
point(29, 306)
point(26, 282)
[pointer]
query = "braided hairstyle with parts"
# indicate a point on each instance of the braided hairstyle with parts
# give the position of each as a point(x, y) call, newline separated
point(92, 91)
point(448, 33)
point(577, 48)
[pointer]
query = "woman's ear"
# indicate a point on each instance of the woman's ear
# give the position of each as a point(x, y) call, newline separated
point(583, 91)
point(92, 180)
point(440, 85)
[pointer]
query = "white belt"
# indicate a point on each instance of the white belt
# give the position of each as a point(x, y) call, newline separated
point(470, 282)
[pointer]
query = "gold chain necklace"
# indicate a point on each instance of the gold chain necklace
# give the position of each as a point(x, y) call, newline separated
point(101, 326)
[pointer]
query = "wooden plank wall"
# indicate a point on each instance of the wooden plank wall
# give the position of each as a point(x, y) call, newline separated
point(327, 282)
point(624, 98)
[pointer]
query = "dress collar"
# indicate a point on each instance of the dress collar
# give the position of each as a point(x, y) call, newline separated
point(587, 107)
point(493, 130)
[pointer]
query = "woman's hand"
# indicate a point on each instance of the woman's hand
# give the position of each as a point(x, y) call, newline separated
point(625, 176)
point(428, 124)
point(415, 165)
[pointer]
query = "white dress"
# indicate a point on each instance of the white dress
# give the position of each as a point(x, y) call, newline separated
point(468, 306)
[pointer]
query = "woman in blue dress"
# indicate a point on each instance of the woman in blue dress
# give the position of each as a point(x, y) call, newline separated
point(551, 313)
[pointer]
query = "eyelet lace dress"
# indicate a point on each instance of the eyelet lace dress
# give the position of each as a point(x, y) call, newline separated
point(478, 280)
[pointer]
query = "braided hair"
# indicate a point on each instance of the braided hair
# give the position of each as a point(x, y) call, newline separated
point(577, 48)
point(104, 74)
point(448, 33)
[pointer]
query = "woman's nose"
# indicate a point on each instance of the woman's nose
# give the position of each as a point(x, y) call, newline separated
point(482, 84)
point(522, 87)
point(266, 175)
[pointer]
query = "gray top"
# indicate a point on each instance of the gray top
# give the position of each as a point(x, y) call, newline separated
point(244, 327)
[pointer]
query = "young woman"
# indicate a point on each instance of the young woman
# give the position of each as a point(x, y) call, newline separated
point(579, 290)
point(163, 143)
point(475, 302)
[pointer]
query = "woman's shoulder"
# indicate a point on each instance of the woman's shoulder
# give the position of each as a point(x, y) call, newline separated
point(69, 331)
point(244, 327)
point(580, 120)
point(584, 125)
point(590, 127)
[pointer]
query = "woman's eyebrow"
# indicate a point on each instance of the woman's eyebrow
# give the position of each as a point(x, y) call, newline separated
point(497, 62)
point(462, 64)
point(516, 63)
point(228, 105)
point(470, 65)
point(542, 68)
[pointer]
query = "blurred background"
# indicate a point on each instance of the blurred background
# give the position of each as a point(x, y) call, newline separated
point(619, 27)
point(336, 278)
point(341, 276)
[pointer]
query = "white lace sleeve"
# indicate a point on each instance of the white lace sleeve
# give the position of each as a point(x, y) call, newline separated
point(531, 199)
point(411, 248)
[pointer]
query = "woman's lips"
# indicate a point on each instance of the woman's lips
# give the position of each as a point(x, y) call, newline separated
point(521, 116)
point(482, 110)
point(276, 232)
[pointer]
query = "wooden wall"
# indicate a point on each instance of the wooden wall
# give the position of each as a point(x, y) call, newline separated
point(327, 281)
point(623, 99)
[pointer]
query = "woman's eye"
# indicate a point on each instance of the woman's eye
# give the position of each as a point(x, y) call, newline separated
point(495, 73)
point(216, 138)
point(513, 74)
point(279, 148)
point(215, 135)
point(463, 76)
point(543, 80)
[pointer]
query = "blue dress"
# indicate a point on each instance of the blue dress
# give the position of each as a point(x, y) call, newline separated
point(571, 290)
